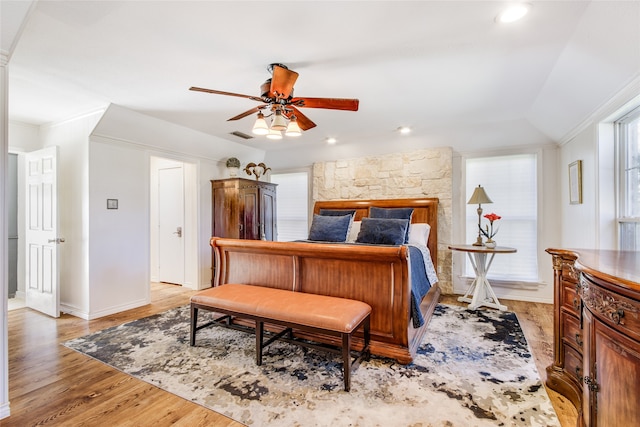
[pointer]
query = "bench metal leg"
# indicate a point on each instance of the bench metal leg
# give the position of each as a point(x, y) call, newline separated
point(367, 338)
point(346, 360)
point(194, 322)
point(259, 336)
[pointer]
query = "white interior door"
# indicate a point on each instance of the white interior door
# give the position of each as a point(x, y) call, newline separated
point(41, 236)
point(171, 224)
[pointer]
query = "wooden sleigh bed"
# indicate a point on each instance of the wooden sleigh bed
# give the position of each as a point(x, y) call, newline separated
point(379, 275)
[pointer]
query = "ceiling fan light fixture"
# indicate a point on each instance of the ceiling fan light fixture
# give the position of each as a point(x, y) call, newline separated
point(260, 127)
point(293, 129)
point(279, 122)
point(274, 134)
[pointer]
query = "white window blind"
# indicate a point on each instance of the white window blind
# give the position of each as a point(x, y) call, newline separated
point(628, 134)
point(292, 205)
point(511, 183)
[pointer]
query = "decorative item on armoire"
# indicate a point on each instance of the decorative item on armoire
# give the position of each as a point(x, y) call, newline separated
point(233, 164)
point(258, 170)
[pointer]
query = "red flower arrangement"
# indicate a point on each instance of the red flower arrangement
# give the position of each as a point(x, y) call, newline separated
point(489, 232)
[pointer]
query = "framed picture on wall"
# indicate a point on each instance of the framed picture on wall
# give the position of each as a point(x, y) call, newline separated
point(575, 182)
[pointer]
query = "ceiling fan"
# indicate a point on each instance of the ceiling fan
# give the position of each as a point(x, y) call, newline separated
point(276, 97)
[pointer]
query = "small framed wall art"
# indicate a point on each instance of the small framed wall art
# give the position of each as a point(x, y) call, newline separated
point(575, 182)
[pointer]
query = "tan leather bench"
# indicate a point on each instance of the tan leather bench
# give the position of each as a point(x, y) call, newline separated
point(307, 312)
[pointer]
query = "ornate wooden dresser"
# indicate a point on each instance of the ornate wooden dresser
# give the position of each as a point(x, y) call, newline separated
point(597, 335)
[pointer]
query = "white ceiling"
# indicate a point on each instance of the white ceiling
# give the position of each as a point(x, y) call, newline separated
point(445, 68)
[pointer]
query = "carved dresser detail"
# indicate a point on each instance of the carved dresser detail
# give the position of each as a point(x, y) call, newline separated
point(597, 335)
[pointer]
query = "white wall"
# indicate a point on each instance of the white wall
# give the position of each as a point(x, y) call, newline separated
point(592, 224)
point(4, 253)
point(121, 148)
point(71, 138)
point(207, 170)
point(118, 238)
point(105, 261)
point(23, 137)
point(13, 15)
point(579, 228)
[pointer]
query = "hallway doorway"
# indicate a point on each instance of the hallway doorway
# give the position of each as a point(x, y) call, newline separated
point(173, 222)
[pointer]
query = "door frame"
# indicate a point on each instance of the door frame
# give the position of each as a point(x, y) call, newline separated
point(21, 220)
point(190, 229)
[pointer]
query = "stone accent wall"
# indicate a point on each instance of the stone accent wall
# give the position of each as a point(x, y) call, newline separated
point(423, 173)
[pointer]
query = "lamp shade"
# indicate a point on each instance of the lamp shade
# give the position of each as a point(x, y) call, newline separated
point(293, 129)
point(279, 122)
point(479, 197)
point(260, 127)
point(274, 134)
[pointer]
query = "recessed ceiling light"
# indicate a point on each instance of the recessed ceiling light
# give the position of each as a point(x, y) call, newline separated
point(513, 12)
point(331, 140)
point(404, 130)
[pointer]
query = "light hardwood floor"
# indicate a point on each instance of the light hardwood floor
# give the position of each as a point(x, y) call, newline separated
point(52, 385)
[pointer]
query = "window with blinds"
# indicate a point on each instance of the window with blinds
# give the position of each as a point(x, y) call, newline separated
point(511, 183)
point(292, 205)
point(628, 135)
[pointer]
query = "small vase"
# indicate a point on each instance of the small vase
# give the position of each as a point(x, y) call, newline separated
point(490, 244)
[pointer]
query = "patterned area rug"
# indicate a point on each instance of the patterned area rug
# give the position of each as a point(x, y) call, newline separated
point(474, 368)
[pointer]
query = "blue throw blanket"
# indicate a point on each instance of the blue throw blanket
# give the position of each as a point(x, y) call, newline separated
point(420, 284)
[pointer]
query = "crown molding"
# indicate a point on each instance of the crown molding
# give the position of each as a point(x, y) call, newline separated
point(624, 100)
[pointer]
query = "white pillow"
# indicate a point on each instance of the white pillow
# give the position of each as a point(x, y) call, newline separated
point(353, 231)
point(418, 234)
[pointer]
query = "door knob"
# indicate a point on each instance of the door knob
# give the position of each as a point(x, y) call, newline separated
point(178, 231)
point(56, 240)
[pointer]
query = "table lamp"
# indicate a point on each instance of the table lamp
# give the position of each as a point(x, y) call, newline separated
point(479, 197)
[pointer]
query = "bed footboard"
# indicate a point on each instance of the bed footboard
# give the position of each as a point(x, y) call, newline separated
point(377, 275)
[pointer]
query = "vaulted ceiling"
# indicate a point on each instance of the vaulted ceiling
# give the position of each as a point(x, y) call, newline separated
point(447, 69)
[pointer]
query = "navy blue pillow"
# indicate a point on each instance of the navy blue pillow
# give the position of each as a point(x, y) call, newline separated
point(398, 213)
point(337, 212)
point(328, 228)
point(383, 231)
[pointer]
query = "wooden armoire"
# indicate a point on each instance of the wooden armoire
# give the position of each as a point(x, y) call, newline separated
point(244, 209)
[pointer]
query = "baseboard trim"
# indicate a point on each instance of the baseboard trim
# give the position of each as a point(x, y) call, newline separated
point(105, 312)
point(5, 411)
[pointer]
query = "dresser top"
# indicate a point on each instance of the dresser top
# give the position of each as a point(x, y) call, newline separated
point(620, 267)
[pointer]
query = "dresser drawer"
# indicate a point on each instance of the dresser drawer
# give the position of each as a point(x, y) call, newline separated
point(569, 273)
point(572, 362)
point(571, 333)
point(618, 311)
point(570, 298)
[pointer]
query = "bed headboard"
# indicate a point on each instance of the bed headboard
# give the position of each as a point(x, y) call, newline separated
point(424, 210)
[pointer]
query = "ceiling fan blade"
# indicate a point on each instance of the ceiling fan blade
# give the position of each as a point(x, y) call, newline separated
point(304, 122)
point(328, 103)
point(282, 82)
point(247, 113)
point(219, 92)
